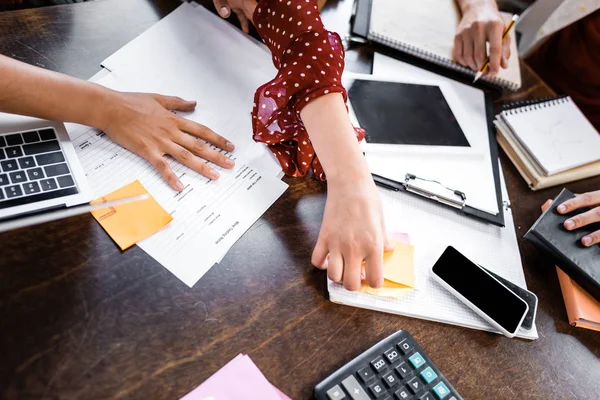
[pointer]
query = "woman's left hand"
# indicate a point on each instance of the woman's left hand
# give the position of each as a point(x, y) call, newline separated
point(242, 8)
point(590, 199)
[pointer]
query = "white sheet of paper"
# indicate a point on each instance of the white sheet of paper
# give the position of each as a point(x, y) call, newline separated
point(195, 55)
point(558, 136)
point(432, 228)
point(471, 174)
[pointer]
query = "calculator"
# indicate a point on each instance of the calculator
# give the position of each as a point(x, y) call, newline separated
point(396, 368)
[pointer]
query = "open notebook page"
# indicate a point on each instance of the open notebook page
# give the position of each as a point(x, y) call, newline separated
point(432, 228)
point(429, 26)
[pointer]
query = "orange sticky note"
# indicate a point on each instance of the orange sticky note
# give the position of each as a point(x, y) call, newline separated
point(129, 223)
point(398, 272)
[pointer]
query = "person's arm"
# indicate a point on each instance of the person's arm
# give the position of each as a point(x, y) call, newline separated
point(139, 122)
point(353, 227)
point(591, 200)
point(481, 23)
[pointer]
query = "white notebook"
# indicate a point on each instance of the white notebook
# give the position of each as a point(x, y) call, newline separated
point(426, 29)
point(432, 228)
point(555, 134)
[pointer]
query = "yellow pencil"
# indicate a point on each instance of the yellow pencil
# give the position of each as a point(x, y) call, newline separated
point(486, 63)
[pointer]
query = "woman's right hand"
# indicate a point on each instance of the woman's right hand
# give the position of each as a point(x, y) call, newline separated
point(242, 8)
point(144, 124)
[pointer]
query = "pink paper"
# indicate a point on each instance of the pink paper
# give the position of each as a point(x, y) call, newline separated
point(401, 237)
point(240, 378)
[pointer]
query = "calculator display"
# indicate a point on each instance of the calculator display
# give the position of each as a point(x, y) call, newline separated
point(481, 289)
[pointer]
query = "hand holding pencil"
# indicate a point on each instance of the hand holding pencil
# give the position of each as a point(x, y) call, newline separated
point(486, 63)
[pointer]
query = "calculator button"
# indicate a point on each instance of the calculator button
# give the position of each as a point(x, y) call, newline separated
point(50, 158)
point(1, 194)
point(379, 364)
point(354, 389)
point(390, 379)
point(56, 169)
point(391, 355)
point(403, 370)
point(2, 154)
point(48, 184)
point(416, 360)
point(441, 390)
point(41, 147)
point(377, 389)
point(402, 394)
point(4, 180)
point(336, 393)
point(365, 374)
point(414, 385)
point(426, 396)
point(428, 375)
point(405, 346)
point(65, 181)
point(2, 141)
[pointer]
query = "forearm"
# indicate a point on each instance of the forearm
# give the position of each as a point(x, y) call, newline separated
point(333, 138)
point(467, 5)
point(36, 92)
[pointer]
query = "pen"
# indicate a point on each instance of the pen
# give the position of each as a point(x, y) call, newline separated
point(486, 63)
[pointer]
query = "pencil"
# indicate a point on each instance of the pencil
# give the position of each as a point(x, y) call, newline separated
point(486, 63)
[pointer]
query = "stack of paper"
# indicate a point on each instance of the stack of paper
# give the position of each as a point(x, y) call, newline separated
point(238, 379)
point(195, 55)
point(550, 142)
point(432, 228)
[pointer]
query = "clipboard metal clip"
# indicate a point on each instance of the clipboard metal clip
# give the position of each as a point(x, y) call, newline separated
point(434, 190)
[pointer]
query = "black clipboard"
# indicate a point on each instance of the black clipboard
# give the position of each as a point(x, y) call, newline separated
point(455, 198)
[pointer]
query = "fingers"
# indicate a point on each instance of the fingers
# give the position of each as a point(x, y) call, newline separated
point(352, 269)
point(162, 166)
point(457, 51)
point(335, 266)
point(174, 103)
point(201, 149)
point(589, 199)
point(319, 254)
point(188, 159)
point(468, 52)
point(205, 133)
point(591, 239)
point(505, 52)
point(479, 50)
point(583, 219)
point(244, 23)
point(222, 8)
point(374, 269)
point(495, 38)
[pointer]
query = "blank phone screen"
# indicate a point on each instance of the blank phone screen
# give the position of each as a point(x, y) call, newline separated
point(489, 295)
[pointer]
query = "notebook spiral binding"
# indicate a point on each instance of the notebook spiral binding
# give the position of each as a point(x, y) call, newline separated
point(524, 106)
point(436, 59)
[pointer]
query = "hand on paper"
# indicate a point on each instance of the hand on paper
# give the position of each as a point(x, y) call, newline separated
point(242, 8)
point(353, 231)
point(591, 200)
point(143, 124)
point(481, 23)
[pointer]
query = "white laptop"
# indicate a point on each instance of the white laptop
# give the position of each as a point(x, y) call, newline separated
point(39, 170)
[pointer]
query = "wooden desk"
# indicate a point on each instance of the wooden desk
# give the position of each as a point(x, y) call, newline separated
point(81, 320)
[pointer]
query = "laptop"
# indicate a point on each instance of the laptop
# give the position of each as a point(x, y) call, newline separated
point(39, 169)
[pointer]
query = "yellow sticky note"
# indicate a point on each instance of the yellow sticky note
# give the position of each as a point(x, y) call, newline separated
point(129, 223)
point(398, 272)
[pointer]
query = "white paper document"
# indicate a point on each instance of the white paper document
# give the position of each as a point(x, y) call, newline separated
point(193, 55)
point(469, 172)
point(432, 228)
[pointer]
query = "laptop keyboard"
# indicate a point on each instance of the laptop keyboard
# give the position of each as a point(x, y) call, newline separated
point(33, 168)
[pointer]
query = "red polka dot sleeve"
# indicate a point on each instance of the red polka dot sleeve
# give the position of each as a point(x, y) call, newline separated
point(310, 61)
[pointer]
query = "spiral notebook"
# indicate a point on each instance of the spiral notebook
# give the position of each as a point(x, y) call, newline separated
point(425, 29)
point(549, 141)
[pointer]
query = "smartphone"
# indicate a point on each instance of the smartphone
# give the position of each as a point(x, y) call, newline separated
point(480, 291)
